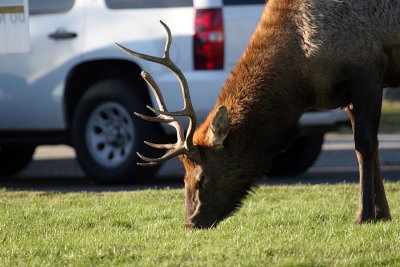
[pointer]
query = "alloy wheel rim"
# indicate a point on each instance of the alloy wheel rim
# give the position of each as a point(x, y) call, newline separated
point(110, 134)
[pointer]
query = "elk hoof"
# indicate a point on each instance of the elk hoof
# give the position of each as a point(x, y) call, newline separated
point(382, 215)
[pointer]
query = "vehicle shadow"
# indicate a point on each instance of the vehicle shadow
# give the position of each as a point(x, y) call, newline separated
point(48, 177)
point(65, 175)
point(333, 175)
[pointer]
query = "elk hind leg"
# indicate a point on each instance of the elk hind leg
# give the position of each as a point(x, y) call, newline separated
point(382, 211)
point(366, 96)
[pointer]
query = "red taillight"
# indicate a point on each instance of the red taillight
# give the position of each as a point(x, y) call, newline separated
point(208, 43)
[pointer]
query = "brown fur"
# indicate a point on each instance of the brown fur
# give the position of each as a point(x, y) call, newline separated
point(304, 53)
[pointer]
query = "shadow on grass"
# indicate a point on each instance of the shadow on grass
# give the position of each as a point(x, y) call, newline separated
point(73, 184)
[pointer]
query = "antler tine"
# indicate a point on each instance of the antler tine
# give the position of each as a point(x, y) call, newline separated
point(153, 119)
point(182, 146)
point(147, 164)
point(188, 107)
point(161, 117)
point(155, 89)
point(167, 117)
point(168, 41)
point(160, 146)
point(139, 55)
point(170, 154)
point(160, 60)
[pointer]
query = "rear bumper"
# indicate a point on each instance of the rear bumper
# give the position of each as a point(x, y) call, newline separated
point(323, 121)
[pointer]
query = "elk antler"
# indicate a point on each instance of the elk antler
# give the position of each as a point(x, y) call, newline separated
point(183, 145)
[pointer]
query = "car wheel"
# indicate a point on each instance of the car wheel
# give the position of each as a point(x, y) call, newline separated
point(106, 134)
point(13, 158)
point(299, 157)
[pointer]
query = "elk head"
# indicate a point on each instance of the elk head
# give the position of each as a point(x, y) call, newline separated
point(214, 188)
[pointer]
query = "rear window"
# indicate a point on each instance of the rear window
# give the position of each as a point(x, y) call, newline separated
point(49, 6)
point(125, 4)
point(244, 2)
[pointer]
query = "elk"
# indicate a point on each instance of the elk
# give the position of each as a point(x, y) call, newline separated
point(319, 54)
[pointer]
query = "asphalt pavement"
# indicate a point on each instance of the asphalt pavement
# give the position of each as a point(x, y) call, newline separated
point(55, 168)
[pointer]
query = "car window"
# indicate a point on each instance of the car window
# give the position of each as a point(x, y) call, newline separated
point(243, 2)
point(122, 4)
point(49, 6)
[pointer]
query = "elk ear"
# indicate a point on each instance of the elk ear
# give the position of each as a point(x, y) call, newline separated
point(219, 128)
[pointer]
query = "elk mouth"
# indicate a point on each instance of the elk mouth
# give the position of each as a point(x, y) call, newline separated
point(202, 220)
point(210, 217)
point(199, 221)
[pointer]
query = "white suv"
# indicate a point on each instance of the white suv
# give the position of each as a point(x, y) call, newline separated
point(76, 87)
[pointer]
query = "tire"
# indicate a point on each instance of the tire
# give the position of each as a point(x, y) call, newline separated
point(106, 134)
point(13, 158)
point(299, 157)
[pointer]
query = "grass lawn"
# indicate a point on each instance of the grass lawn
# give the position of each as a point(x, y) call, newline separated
point(303, 225)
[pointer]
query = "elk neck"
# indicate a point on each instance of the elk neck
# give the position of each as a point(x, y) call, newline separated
point(265, 92)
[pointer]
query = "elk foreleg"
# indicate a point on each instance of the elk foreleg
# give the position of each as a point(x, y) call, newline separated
point(364, 114)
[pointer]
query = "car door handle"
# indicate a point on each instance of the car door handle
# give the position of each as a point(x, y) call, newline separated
point(61, 34)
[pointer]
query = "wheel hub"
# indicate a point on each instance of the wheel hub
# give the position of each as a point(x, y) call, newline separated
point(110, 134)
point(116, 135)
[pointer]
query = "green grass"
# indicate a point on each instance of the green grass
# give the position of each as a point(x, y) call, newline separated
point(300, 225)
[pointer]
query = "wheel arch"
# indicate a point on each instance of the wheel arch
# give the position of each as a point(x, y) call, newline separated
point(82, 76)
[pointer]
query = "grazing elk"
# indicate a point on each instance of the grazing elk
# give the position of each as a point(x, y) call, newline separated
point(304, 54)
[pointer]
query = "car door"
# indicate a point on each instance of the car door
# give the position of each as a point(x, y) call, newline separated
point(32, 83)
